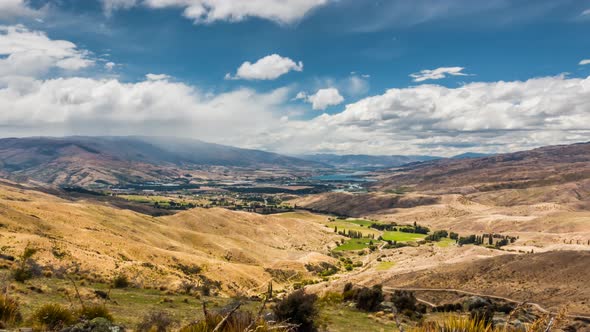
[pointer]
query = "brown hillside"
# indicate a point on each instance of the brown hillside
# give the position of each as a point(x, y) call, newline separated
point(232, 247)
point(357, 205)
point(535, 168)
point(550, 279)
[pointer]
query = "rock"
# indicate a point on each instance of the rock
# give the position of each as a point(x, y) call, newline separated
point(96, 325)
point(385, 305)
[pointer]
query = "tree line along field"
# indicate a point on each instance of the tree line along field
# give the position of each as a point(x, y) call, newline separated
point(371, 234)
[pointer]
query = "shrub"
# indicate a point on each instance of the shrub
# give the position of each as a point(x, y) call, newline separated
point(368, 299)
point(156, 321)
point(9, 311)
point(95, 311)
point(348, 293)
point(120, 281)
point(449, 307)
point(187, 287)
point(298, 308)
point(404, 300)
point(21, 274)
point(52, 317)
point(27, 268)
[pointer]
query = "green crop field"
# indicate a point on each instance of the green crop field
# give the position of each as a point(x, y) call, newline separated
point(354, 244)
point(361, 222)
point(402, 236)
point(445, 242)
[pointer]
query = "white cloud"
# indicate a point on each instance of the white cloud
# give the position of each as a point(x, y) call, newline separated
point(436, 74)
point(16, 8)
point(32, 53)
point(157, 77)
point(438, 120)
point(66, 106)
point(586, 12)
point(301, 96)
point(322, 99)
point(424, 119)
point(110, 66)
point(111, 5)
point(584, 62)
point(268, 68)
point(208, 11)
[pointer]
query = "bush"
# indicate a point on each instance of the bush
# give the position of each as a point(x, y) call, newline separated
point(404, 300)
point(120, 281)
point(449, 307)
point(298, 308)
point(9, 311)
point(156, 321)
point(27, 268)
point(368, 299)
point(95, 311)
point(52, 317)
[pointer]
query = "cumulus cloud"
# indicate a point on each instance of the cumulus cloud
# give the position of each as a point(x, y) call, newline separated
point(155, 107)
point(424, 119)
point(584, 62)
point(32, 53)
point(322, 99)
point(439, 120)
point(268, 68)
point(208, 11)
point(586, 12)
point(438, 73)
point(16, 8)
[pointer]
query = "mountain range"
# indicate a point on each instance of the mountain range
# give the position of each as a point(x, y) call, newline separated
point(365, 162)
point(83, 160)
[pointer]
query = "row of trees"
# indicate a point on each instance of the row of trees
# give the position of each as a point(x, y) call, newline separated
point(496, 240)
point(353, 234)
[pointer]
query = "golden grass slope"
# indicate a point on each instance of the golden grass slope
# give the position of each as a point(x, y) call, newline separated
point(232, 247)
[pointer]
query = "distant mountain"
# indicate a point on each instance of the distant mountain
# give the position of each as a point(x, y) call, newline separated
point(82, 160)
point(365, 162)
point(468, 155)
point(545, 166)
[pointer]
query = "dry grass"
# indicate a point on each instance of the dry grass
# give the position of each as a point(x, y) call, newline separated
point(454, 323)
point(231, 247)
point(9, 311)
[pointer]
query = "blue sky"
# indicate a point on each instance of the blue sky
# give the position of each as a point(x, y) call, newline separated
point(334, 62)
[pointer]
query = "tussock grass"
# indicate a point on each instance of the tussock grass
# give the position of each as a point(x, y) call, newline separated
point(9, 311)
point(52, 317)
point(453, 323)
